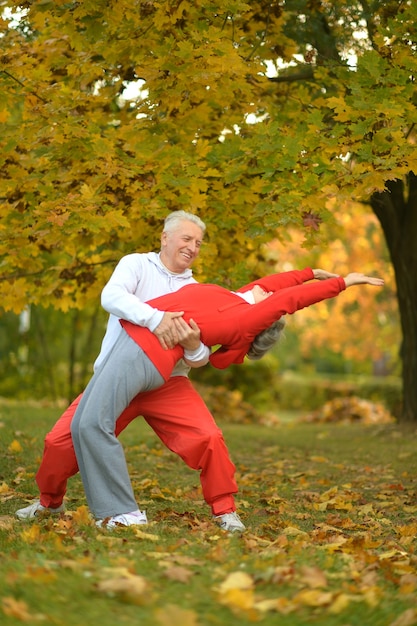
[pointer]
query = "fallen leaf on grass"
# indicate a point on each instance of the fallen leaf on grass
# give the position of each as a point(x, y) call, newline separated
point(351, 409)
point(293, 531)
point(179, 573)
point(110, 540)
point(340, 603)
point(15, 446)
point(80, 516)
point(313, 598)
point(280, 605)
point(172, 615)
point(183, 559)
point(409, 530)
point(393, 555)
point(237, 592)
point(313, 577)
point(408, 618)
point(236, 580)
point(7, 522)
point(31, 534)
point(40, 574)
point(408, 584)
point(131, 589)
point(19, 610)
point(140, 534)
point(74, 565)
point(158, 555)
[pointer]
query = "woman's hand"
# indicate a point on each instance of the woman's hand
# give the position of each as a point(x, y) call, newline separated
point(356, 278)
point(323, 274)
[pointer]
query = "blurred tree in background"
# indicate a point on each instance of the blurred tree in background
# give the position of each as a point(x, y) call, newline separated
point(260, 117)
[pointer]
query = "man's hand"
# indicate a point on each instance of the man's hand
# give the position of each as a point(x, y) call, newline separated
point(188, 334)
point(166, 331)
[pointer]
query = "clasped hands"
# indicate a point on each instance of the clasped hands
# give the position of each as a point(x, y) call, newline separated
point(173, 330)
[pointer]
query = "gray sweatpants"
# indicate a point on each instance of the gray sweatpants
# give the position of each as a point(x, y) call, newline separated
point(126, 372)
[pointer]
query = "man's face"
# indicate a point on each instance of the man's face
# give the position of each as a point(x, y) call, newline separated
point(180, 247)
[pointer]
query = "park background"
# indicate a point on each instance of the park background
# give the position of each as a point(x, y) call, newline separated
point(290, 128)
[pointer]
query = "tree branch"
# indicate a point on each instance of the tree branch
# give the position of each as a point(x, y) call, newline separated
point(19, 82)
point(306, 72)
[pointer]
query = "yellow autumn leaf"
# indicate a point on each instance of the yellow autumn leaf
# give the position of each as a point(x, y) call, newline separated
point(31, 534)
point(172, 615)
point(40, 574)
point(131, 589)
point(407, 618)
point(340, 603)
point(178, 573)
point(408, 584)
point(81, 515)
point(19, 610)
point(236, 580)
point(240, 599)
point(280, 605)
point(140, 534)
point(393, 555)
point(237, 591)
point(15, 446)
point(319, 459)
point(7, 522)
point(293, 531)
point(313, 577)
point(313, 598)
point(87, 192)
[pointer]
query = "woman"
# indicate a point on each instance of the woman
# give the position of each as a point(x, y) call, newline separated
point(138, 363)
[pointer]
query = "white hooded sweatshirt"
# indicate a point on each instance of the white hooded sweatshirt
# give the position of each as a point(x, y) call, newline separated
point(138, 277)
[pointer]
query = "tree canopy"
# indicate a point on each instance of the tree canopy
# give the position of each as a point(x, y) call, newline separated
point(89, 175)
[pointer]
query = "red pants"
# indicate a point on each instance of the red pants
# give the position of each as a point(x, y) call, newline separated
point(181, 420)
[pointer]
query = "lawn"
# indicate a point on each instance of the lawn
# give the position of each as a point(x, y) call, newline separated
point(331, 512)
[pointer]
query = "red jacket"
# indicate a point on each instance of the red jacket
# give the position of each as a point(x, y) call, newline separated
point(227, 320)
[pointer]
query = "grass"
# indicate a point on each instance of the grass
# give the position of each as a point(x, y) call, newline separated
point(331, 515)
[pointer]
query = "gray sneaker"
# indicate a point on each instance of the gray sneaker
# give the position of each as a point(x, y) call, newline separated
point(230, 522)
point(31, 511)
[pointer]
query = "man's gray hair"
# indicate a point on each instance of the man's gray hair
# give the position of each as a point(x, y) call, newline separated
point(266, 340)
point(174, 219)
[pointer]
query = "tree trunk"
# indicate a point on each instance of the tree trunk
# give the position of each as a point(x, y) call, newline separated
point(396, 210)
point(82, 354)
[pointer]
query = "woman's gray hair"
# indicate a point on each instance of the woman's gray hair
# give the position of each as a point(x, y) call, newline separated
point(266, 340)
point(174, 219)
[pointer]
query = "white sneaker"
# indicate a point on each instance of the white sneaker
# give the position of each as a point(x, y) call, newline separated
point(230, 522)
point(124, 519)
point(31, 511)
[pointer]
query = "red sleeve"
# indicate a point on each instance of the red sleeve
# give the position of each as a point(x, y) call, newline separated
point(257, 317)
point(274, 282)
point(224, 357)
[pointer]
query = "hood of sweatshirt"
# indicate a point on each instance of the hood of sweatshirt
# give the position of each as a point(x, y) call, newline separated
point(183, 278)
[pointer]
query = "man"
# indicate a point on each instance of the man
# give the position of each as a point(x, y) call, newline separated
point(175, 411)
